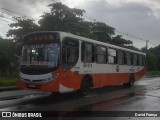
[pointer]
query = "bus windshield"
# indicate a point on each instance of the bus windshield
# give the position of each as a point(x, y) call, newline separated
point(43, 54)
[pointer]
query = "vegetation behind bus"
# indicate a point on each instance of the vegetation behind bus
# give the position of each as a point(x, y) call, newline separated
point(8, 79)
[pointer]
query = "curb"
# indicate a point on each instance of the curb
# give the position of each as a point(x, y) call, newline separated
point(8, 88)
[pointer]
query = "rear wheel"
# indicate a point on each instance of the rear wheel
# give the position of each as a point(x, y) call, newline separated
point(131, 81)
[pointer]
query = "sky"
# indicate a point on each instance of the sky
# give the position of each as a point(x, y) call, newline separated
point(131, 18)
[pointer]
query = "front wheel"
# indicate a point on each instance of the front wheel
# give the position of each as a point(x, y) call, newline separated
point(85, 87)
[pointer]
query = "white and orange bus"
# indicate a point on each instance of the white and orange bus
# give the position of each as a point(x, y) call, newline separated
point(63, 62)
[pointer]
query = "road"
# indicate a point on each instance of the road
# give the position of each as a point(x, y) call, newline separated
point(113, 102)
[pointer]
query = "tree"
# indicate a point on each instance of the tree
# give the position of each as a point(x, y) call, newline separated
point(63, 18)
point(20, 28)
point(118, 40)
point(103, 32)
point(152, 62)
point(153, 57)
point(6, 55)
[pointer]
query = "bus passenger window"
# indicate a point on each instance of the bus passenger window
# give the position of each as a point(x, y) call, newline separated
point(101, 54)
point(112, 56)
point(120, 57)
point(87, 52)
point(135, 59)
point(140, 60)
point(128, 58)
point(144, 60)
point(70, 53)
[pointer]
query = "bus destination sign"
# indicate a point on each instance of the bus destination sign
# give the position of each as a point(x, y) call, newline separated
point(39, 39)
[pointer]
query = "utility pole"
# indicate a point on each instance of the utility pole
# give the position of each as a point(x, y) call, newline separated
point(147, 44)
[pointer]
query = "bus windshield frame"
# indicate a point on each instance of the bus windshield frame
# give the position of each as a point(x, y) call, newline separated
point(40, 53)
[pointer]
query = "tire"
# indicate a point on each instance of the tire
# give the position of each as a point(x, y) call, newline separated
point(85, 87)
point(131, 81)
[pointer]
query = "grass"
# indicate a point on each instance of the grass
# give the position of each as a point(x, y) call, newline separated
point(153, 74)
point(8, 80)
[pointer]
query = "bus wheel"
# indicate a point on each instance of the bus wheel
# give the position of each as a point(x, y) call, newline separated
point(85, 86)
point(131, 81)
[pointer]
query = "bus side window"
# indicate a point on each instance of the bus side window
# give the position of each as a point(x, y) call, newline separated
point(120, 57)
point(143, 60)
point(135, 59)
point(112, 56)
point(140, 60)
point(70, 53)
point(87, 52)
point(128, 58)
point(101, 54)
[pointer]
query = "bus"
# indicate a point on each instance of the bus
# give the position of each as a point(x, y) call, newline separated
point(60, 62)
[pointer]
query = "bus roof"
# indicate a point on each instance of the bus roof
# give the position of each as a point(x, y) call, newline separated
point(64, 34)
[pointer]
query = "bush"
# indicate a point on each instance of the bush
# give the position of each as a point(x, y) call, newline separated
point(7, 79)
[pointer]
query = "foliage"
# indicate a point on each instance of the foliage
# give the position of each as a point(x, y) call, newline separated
point(6, 54)
point(103, 32)
point(153, 58)
point(20, 28)
point(63, 18)
point(118, 40)
point(156, 51)
point(153, 74)
point(8, 80)
point(152, 62)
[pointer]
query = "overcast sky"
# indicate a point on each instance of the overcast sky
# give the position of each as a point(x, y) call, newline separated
point(139, 18)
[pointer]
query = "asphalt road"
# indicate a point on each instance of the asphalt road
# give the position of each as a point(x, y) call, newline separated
point(113, 102)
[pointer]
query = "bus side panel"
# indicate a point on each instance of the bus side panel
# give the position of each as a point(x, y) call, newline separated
point(96, 80)
point(104, 79)
point(71, 79)
point(140, 74)
point(118, 78)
